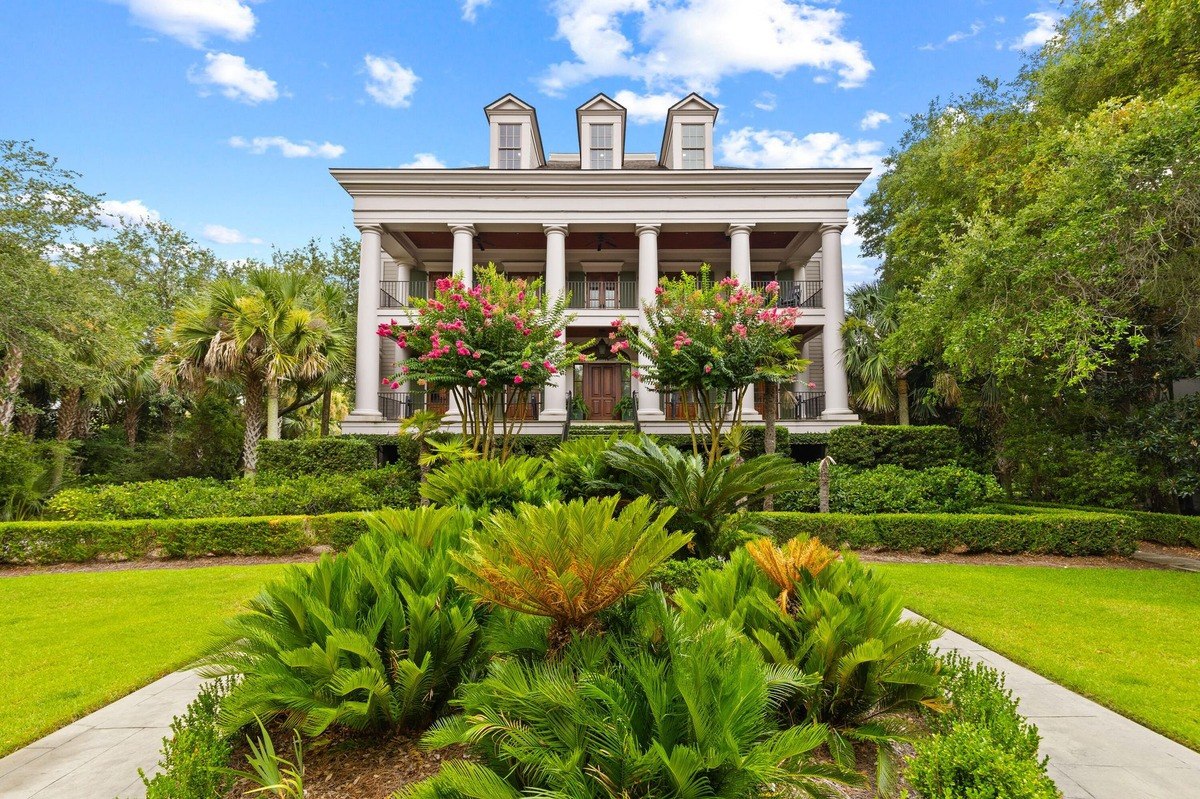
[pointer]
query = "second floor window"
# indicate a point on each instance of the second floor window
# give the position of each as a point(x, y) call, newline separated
point(693, 147)
point(602, 147)
point(510, 146)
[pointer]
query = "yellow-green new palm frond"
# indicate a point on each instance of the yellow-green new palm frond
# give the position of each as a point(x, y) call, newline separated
point(567, 561)
point(783, 565)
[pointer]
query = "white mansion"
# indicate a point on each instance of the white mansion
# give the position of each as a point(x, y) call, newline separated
point(602, 225)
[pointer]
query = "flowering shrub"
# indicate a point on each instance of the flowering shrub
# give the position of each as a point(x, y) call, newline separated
point(711, 341)
point(491, 346)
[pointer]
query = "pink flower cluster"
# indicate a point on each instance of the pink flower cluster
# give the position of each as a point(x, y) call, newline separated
point(681, 340)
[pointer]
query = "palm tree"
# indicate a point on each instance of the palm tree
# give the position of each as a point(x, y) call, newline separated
point(255, 334)
point(877, 383)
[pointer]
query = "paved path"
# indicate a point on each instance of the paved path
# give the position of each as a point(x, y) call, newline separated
point(1177, 562)
point(98, 756)
point(1094, 753)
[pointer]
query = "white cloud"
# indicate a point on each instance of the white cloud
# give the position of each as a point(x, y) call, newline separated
point(470, 8)
point(780, 149)
point(235, 79)
point(219, 234)
point(873, 119)
point(765, 101)
point(1041, 32)
point(194, 21)
point(424, 161)
point(388, 82)
point(694, 44)
point(115, 213)
point(974, 30)
point(646, 108)
point(287, 148)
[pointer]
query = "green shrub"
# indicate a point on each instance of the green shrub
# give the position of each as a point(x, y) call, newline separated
point(196, 755)
point(664, 713)
point(376, 638)
point(581, 467)
point(892, 489)
point(866, 446)
point(28, 472)
point(1163, 528)
point(843, 625)
point(491, 484)
point(1074, 533)
point(314, 456)
point(673, 575)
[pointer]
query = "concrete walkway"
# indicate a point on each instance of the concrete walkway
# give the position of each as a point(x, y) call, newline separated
point(1094, 752)
point(1177, 562)
point(98, 756)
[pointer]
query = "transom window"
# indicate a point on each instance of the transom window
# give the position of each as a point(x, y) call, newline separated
point(602, 147)
point(510, 145)
point(693, 147)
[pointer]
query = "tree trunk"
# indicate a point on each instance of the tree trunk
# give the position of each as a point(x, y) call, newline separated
point(326, 409)
point(770, 411)
point(272, 410)
point(10, 381)
point(133, 412)
point(68, 414)
point(824, 477)
point(27, 424)
point(902, 400)
point(253, 414)
point(83, 421)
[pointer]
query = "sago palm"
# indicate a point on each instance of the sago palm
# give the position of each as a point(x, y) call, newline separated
point(567, 561)
point(377, 637)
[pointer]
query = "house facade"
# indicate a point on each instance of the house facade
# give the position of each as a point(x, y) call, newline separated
point(602, 226)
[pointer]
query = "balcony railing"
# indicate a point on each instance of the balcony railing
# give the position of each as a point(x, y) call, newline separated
point(396, 405)
point(602, 294)
point(796, 293)
point(793, 405)
point(400, 293)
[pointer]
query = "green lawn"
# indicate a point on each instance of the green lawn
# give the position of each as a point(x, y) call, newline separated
point(1128, 639)
point(75, 642)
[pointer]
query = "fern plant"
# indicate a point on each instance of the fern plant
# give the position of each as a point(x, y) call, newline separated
point(377, 637)
point(708, 496)
point(839, 623)
point(567, 561)
point(491, 484)
point(670, 714)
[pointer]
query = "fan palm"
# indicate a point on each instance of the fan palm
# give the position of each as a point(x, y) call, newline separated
point(707, 496)
point(878, 383)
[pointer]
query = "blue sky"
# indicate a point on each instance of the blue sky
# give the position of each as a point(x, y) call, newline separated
point(223, 116)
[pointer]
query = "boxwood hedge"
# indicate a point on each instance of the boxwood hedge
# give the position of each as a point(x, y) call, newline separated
point(911, 447)
point(314, 456)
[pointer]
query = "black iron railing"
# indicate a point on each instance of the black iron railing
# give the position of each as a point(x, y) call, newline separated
point(796, 293)
point(400, 293)
point(801, 405)
point(395, 405)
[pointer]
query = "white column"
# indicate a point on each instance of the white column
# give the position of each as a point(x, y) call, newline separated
point(647, 234)
point(837, 393)
point(366, 350)
point(556, 286)
point(464, 247)
point(404, 277)
point(739, 267)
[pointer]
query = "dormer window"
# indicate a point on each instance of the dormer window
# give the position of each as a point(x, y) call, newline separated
point(693, 146)
point(510, 146)
point(602, 147)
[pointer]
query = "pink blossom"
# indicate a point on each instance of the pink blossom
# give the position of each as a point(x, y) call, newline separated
point(615, 323)
point(483, 382)
point(556, 333)
point(526, 365)
point(470, 373)
point(547, 364)
point(442, 284)
point(811, 384)
point(395, 384)
point(658, 290)
point(707, 368)
point(464, 305)
point(636, 374)
point(773, 286)
point(477, 355)
point(518, 379)
point(404, 370)
point(582, 357)
point(384, 381)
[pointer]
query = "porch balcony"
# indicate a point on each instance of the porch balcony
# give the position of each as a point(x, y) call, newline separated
point(397, 405)
point(790, 406)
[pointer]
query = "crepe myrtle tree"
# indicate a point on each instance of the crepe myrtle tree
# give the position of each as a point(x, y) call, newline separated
point(711, 340)
point(491, 346)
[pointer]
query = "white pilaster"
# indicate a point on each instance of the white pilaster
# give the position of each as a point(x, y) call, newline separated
point(366, 350)
point(739, 267)
point(647, 234)
point(464, 247)
point(555, 409)
point(837, 392)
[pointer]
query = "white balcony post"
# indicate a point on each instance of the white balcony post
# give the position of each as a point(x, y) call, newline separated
point(739, 268)
point(366, 350)
point(464, 247)
point(837, 393)
point(404, 278)
point(647, 235)
point(556, 286)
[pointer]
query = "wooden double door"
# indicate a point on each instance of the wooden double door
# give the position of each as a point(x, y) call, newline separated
point(602, 388)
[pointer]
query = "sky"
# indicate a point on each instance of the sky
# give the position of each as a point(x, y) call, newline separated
point(223, 117)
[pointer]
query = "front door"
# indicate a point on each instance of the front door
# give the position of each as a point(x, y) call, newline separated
point(601, 389)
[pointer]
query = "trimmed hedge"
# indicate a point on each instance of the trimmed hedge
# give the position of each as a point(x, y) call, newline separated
point(314, 456)
point(891, 489)
point(1076, 533)
point(866, 446)
point(1169, 529)
point(81, 541)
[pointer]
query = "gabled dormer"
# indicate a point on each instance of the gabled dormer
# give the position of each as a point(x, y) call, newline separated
point(515, 141)
point(688, 136)
point(601, 122)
